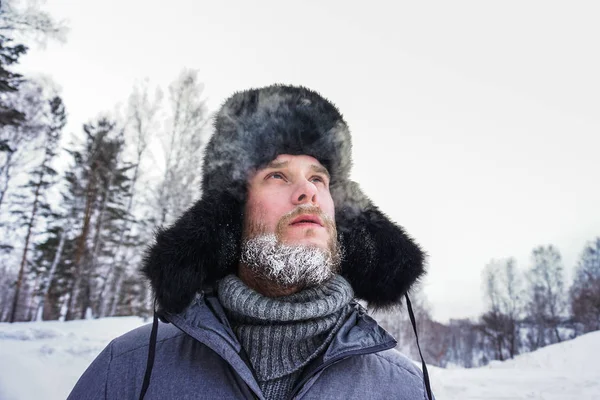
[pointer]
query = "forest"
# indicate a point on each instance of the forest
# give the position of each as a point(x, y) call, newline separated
point(78, 209)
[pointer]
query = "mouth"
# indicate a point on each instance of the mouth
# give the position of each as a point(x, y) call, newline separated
point(307, 220)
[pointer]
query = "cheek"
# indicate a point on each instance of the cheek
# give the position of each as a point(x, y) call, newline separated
point(328, 207)
point(263, 210)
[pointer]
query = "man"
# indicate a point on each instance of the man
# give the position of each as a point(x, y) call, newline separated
point(256, 281)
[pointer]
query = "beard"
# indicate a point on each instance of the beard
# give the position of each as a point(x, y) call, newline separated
point(290, 265)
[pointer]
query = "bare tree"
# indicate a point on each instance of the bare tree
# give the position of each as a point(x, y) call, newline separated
point(433, 336)
point(465, 345)
point(585, 291)
point(503, 293)
point(547, 297)
point(180, 184)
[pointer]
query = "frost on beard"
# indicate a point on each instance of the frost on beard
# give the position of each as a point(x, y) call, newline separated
point(288, 265)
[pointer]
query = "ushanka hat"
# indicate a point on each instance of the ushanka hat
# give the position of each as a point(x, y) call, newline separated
point(252, 128)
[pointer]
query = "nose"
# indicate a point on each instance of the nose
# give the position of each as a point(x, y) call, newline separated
point(305, 193)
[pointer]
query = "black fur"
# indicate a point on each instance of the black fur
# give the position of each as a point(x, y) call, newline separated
point(381, 261)
point(200, 248)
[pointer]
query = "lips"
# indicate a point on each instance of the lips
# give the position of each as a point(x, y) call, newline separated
point(307, 219)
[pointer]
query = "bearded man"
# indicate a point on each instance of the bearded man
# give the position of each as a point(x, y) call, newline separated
point(256, 283)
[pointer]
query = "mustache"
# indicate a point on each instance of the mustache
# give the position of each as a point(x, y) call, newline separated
point(255, 227)
point(303, 210)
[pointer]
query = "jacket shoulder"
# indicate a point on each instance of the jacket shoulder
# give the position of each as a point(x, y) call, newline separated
point(399, 360)
point(119, 369)
point(139, 338)
point(383, 375)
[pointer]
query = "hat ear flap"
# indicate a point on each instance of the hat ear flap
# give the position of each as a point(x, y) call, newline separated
point(200, 248)
point(380, 261)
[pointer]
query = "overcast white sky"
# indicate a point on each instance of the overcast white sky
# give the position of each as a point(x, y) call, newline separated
point(476, 125)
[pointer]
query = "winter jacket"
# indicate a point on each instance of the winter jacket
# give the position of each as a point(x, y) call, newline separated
point(199, 357)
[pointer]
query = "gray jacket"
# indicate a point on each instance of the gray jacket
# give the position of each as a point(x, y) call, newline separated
point(199, 357)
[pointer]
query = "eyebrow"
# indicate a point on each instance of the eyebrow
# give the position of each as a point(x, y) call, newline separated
point(320, 169)
point(316, 168)
point(277, 164)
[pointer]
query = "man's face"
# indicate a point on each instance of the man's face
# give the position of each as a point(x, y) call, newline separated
point(290, 198)
point(289, 238)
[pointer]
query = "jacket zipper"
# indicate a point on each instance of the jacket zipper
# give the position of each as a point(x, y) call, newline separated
point(339, 357)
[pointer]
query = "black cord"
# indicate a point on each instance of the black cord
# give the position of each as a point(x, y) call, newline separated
point(151, 352)
point(414, 325)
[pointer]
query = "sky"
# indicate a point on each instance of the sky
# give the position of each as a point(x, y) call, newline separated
point(475, 124)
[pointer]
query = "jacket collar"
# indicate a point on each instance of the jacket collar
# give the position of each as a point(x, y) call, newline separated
point(205, 320)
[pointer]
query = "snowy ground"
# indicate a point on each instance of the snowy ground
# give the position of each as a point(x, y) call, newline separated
point(567, 370)
point(44, 360)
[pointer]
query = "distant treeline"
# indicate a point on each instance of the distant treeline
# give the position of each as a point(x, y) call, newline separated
point(525, 310)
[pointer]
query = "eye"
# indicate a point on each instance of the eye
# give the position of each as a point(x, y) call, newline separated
point(317, 179)
point(276, 175)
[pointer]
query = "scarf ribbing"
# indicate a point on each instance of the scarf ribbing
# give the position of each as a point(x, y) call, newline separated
point(283, 334)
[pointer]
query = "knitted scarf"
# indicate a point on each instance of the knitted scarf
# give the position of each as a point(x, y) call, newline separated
point(282, 335)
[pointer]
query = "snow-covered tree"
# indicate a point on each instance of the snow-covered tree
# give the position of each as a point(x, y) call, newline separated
point(34, 197)
point(182, 144)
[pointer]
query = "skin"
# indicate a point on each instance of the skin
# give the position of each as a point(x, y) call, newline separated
point(291, 186)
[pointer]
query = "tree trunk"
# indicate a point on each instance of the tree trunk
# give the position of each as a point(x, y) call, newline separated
point(32, 297)
point(81, 244)
point(558, 338)
point(115, 297)
point(108, 282)
point(6, 173)
point(96, 245)
point(57, 256)
point(26, 248)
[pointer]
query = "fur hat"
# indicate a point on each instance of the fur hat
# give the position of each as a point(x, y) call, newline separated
point(252, 128)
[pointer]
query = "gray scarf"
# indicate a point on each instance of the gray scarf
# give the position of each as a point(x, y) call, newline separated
point(282, 335)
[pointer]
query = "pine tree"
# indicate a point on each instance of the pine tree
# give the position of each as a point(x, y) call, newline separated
point(114, 238)
point(23, 103)
point(142, 114)
point(42, 177)
point(9, 83)
point(91, 182)
point(99, 196)
point(23, 140)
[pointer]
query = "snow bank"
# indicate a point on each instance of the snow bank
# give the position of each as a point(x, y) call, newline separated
point(45, 359)
point(562, 371)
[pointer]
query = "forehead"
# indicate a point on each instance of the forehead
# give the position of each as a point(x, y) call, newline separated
point(291, 160)
point(287, 161)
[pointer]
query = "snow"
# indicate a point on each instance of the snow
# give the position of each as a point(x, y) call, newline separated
point(567, 370)
point(45, 359)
